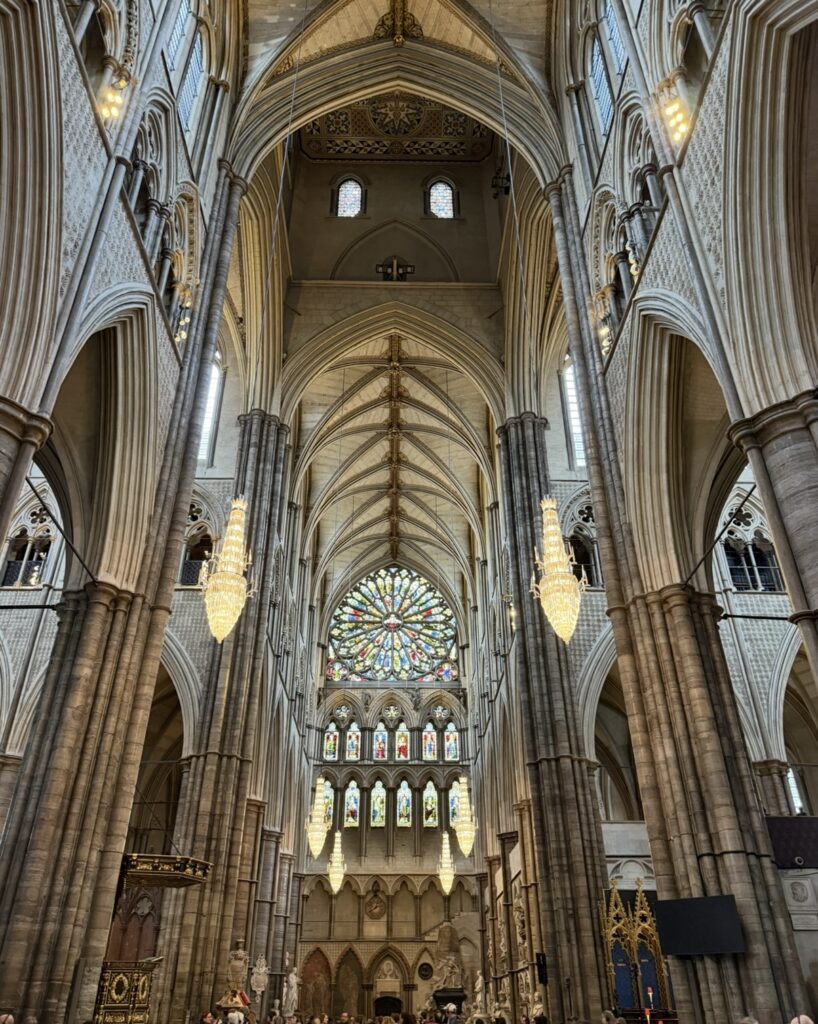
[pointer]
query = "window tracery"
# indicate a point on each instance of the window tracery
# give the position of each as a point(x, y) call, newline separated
point(749, 552)
point(393, 625)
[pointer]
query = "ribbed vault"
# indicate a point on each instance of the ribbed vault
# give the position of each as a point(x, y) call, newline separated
point(394, 463)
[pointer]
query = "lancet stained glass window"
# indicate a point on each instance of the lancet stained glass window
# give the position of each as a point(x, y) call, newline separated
point(353, 742)
point(377, 801)
point(430, 805)
point(329, 803)
point(402, 743)
point(393, 625)
point(454, 803)
point(352, 805)
point(404, 801)
point(331, 742)
point(451, 743)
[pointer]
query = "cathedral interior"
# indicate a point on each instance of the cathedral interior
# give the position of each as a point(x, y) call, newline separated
point(409, 506)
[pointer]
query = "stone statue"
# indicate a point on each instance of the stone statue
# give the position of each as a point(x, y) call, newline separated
point(479, 994)
point(237, 964)
point(538, 1010)
point(259, 976)
point(290, 997)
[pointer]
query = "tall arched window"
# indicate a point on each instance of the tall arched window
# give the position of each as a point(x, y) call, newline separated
point(349, 198)
point(451, 743)
point(191, 82)
point(404, 805)
point(352, 806)
point(603, 97)
point(331, 742)
point(454, 803)
point(430, 816)
point(440, 200)
point(614, 38)
point(572, 418)
point(429, 742)
point(377, 806)
point(586, 559)
point(380, 743)
point(402, 742)
point(353, 742)
point(177, 33)
point(207, 443)
point(329, 803)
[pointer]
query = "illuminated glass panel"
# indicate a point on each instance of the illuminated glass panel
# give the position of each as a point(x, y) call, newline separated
point(454, 803)
point(404, 802)
point(331, 742)
point(350, 198)
point(402, 743)
point(441, 200)
point(451, 743)
point(429, 742)
point(353, 742)
point(352, 806)
point(380, 742)
point(393, 625)
point(329, 803)
point(430, 819)
point(377, 806)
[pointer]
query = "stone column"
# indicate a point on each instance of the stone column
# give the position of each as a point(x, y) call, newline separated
point(507, 841)
point(775, 791)
point(706, 829)
point(222, 760)
point(22, 434)
point(569, 859)
point(781, 444)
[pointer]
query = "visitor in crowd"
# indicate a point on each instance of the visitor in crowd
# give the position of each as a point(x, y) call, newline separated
point(802, 1018)
point(207, 1018)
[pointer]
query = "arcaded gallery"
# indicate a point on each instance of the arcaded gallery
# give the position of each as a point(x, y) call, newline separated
point(409, 511)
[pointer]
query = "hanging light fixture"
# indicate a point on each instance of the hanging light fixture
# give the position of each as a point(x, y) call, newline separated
point(316, 826)
point(558, 589)
point(445, 869)
point(336, 869)
point(466, 826)
point(223, 579)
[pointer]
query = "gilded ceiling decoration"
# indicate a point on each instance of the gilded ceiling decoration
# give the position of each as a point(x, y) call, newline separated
point(397, 126)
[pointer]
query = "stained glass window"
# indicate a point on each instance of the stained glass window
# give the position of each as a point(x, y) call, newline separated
point(380, 742)
point(377, 806)
point(353, 742)
point(429, 742)
point(393, 625)
point(350, 198)
point(331, 742)
point(352, 805)
point(574, 421)
point(329, 803)
point(454, 803)
point(441, 200)
point(404, 805)
point(451, 743)
point(402, 743)
point(430, 805)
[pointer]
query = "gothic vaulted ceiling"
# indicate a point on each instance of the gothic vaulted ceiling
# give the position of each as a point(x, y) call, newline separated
point(393, 451)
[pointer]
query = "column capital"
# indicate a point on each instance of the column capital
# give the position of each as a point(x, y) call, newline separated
point(23, 425)
point(759, 429)
point(771, 766)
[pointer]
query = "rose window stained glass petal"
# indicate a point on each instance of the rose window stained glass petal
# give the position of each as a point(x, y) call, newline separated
point(441, 200)
point(393, 625)
point(350, 198)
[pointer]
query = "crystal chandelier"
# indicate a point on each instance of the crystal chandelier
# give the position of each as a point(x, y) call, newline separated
point(223, 581)
point(316, 827)
point(558, 589)
point(336, 869)
point(466, 825)
point(445, 869)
